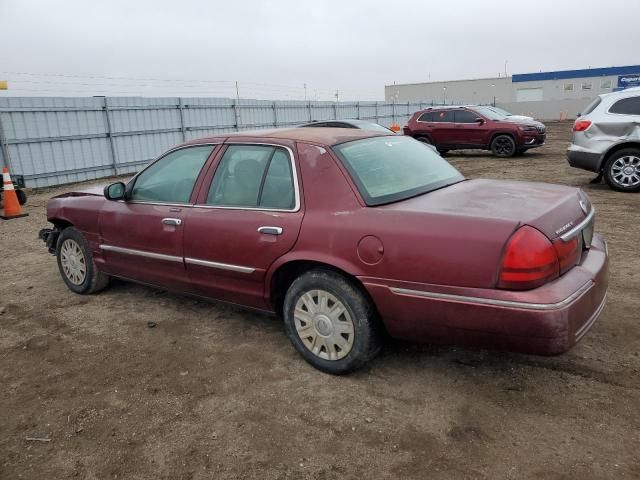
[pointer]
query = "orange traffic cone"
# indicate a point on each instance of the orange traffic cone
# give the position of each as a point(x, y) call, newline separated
point(10, 199)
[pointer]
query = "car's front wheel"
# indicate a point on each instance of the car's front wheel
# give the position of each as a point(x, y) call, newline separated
point(503, 146)
point(76, 265)
point(622, 171)
point(330, 322)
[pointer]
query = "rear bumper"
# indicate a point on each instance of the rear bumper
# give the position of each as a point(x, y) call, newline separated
point(545, 321)
point(584, 159)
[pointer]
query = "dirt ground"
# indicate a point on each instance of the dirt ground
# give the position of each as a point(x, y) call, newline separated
point(217, 392)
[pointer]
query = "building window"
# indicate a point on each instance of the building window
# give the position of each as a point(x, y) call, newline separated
point(568, 87)
point(587, 85)
point(605, 85)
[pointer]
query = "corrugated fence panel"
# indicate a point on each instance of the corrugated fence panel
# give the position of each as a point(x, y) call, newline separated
point(56, 140)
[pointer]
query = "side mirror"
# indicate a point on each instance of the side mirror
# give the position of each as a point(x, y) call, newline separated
point(479, 121)
point(115, 191)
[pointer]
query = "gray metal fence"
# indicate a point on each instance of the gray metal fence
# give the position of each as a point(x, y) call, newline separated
point(57, 140)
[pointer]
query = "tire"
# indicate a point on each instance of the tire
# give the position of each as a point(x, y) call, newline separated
point(424, 140)
point(443, 151)
point(622, 170)
point(503, 146)
point(338, 343)
point(22, 197)
point(73, 252)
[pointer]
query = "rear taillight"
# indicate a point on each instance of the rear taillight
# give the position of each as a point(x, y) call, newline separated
point(581, 125)
point(568, 253)
point(529, 260)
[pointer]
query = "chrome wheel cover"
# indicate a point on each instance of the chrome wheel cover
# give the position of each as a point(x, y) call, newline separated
point(73, 262)
point(625, 171)
point(324, 325)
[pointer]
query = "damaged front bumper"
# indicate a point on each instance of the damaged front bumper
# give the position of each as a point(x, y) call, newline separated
point(50, 237)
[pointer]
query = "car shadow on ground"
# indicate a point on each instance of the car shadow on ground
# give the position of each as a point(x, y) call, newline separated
point(184, 312)
point(469, 154)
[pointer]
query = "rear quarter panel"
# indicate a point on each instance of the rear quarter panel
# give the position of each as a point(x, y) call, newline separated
point(379, 242)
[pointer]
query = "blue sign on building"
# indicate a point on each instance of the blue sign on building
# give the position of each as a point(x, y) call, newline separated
point(626, 81)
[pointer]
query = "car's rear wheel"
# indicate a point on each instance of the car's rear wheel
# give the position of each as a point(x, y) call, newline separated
point(503, 146)
point(424, 140)
point(622, 171)
point(76, 265)
point(330, 322)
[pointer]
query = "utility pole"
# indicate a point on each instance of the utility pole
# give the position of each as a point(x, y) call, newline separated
point(236, 107)
point(337, 95)
point(305, 92)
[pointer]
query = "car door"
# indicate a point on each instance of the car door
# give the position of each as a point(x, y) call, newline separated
point(141, 237)
point(468, 129)
point(247, 215)
point(443, 131)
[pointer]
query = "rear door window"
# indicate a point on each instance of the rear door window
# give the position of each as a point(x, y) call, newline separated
point(253, 176)
point(626, 106)
point(426, 117)
point(443, 116)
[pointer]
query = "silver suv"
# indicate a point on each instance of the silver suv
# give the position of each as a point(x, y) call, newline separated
point(606, 139)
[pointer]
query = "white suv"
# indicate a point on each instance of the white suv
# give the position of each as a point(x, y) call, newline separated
point(606, 139)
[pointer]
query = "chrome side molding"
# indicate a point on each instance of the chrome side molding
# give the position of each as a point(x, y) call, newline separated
point(220, 266)
point(490, 301)
point(171, 258)
point(141, 253)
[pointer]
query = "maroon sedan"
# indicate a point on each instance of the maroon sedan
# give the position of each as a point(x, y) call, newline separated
point(347, 234)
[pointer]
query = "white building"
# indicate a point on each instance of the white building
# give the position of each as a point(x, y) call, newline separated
point(544, 95)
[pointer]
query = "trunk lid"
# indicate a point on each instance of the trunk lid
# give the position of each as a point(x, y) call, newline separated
point(552, 209)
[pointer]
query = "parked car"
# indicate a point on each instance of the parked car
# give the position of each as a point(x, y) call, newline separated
point(606, 139)
point(361, 124)
point(348, 123)
point(449, 128)
point(347, 234)
point(509, 115)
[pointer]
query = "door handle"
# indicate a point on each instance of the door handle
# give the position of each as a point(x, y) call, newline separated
point(270, 230)
point(172, 221)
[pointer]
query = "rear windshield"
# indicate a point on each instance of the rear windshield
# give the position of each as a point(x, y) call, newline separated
point(592, 106)
point(389, 169)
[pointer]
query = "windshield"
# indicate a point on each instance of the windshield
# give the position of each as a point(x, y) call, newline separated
point(372, 127)
point(489, 113)
point(389, 169)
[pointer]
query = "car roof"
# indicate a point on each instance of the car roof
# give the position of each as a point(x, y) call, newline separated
point(351, 121)
point(321, 135)
point(446, 107)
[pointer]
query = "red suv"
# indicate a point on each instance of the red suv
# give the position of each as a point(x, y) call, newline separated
point(450, 128)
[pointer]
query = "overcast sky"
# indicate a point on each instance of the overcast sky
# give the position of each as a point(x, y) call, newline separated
point(273, 48)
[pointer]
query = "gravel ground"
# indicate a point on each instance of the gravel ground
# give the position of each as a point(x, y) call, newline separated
point(217, 392)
